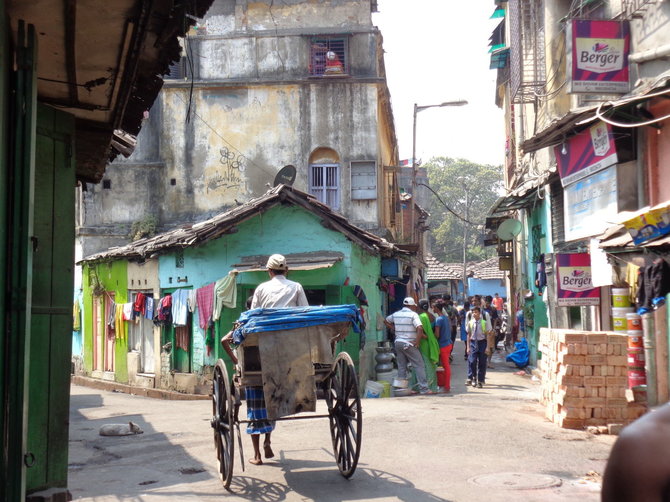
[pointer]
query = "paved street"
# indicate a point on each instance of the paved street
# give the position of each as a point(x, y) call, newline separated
point(470, 445)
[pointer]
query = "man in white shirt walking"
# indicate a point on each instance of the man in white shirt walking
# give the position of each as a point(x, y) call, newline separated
point(278, 291)
point(408, 334)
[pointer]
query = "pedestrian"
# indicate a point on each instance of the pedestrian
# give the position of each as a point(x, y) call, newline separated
point(498, 302)
point(464, 335)
point(491, 337)
point(477, 329)
point(443, 334)
point(278, 292)
point(408, 333)
point(429, 348)
point(638, 468)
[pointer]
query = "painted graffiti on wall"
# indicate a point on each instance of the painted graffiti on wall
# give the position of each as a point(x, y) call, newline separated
point(234, 164)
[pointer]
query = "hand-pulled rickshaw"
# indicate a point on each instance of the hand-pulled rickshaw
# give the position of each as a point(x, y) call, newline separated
point(289, 352)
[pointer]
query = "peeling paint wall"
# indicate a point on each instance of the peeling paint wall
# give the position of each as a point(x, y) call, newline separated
point(254, 109)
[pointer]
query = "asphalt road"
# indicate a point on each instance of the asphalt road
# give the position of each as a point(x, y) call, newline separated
point(490, 444)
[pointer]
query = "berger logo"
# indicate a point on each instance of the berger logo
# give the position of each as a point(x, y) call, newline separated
point(575, 278)
point(600, 55)
point(600, 139)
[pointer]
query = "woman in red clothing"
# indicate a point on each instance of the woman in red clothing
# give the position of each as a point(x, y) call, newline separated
point(442, 332)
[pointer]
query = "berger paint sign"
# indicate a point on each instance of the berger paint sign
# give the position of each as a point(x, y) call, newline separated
point(598, 56)
point(575, 287)
point(585, 153)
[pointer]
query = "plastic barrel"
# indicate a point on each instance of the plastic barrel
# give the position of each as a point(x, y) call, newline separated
point(635, 339)
point(636, 377)
point(633, 322)
point(373, 389)
point(620, 297)
point(619, 319)
point(386, 392)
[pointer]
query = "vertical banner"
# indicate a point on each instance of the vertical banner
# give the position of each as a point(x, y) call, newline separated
point(575, 287)
point(598, 56)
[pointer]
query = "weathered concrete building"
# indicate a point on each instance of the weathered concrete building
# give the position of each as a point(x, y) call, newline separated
point(262, 86)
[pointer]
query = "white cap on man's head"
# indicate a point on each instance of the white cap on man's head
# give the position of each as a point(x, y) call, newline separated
point(276, 262)
point(409, 301)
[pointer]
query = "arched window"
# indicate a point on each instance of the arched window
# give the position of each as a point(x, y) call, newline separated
point(324, 176)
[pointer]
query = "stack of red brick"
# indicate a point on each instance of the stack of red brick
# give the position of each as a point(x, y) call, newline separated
point(585, 377)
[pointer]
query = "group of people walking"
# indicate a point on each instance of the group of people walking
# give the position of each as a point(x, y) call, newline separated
point(425, 335)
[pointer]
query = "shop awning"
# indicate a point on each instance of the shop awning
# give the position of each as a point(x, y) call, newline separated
point(522, 196)
point(578, 119)
point(295, 261)
point(617, 238)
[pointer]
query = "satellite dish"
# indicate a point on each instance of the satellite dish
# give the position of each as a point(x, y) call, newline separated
point(509, 229)
point(286, 176)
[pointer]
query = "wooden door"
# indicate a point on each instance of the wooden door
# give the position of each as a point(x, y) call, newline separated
point(98, 319)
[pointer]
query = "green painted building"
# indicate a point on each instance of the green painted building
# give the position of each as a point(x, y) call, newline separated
point(336, 262)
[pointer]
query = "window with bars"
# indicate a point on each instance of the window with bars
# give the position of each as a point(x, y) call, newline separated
point(328, 57)
point(324, 184)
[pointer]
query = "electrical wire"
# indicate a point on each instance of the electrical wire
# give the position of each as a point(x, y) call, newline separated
point(265, 169)
point(448, 208)
point(600, 115)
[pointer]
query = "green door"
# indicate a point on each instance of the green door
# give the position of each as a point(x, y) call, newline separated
point(53, 283)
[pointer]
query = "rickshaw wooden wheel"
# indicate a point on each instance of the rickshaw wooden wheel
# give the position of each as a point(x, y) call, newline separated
point(344, 410)
point(222, 422)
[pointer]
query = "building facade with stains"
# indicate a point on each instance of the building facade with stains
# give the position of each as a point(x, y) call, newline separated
point(262, 87)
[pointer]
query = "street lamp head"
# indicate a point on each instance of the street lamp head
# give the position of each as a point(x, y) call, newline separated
point(460, 102)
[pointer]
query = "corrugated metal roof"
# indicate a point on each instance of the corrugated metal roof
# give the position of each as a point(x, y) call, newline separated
point(295, 261)
point(226, 223)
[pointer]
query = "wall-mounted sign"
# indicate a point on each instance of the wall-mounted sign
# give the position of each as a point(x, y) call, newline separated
point(585, 153)
point(589, 204)
point(598, 56)
point(574, 283)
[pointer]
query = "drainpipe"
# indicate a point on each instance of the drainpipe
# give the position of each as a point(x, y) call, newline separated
point(657, 53)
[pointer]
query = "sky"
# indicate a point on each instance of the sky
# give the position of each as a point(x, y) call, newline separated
point(437, 51)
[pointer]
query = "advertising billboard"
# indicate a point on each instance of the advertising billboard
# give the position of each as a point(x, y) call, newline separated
point(598, 56)
point(590, 204)
point(574, 284)
point(585, 153)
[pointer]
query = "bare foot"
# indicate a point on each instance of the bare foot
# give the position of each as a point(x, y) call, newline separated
point(268, 451)
point(256, 461)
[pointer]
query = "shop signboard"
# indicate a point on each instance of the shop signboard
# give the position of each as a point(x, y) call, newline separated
point(598, 56)
point(575, 287)
point(590, 204)
point(585, 153)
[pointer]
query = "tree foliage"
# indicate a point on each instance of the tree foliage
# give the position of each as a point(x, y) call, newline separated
point(469, 190)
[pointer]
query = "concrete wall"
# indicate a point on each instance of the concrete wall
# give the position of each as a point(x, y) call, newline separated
point(486, 287)
point(254, 109)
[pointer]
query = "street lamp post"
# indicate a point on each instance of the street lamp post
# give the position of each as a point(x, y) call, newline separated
point(417, 109)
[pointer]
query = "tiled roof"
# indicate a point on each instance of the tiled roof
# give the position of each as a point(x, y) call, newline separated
point(438, 271)
point(225, 223)
point(487, 269)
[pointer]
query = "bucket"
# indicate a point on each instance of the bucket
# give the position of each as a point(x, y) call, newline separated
point(386, 386)
point(636, 377)
point(639, 393)
point(441, 376)
point(635, 358)
point(373, 389)
point(401, 383)
point(635, 339)
point(634, 322)
point(620, 297)
point(387, 376)
point(619, 320)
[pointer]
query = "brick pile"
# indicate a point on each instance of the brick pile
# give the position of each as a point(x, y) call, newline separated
point(585, 377)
